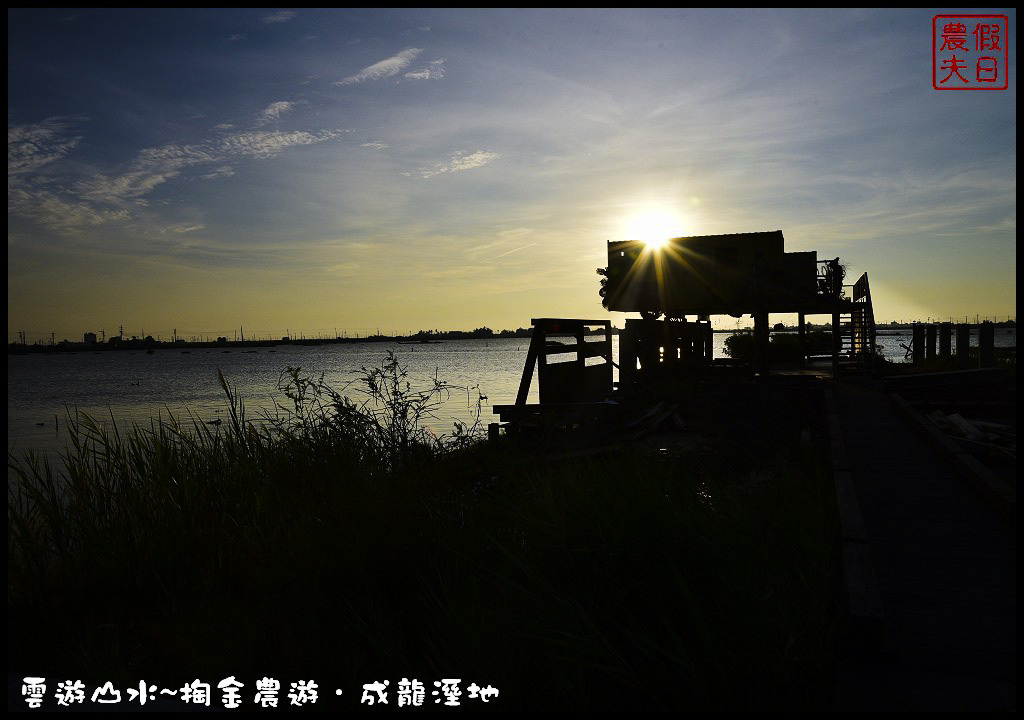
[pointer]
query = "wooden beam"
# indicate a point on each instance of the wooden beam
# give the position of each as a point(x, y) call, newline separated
point(536, 345)
point(583, 351)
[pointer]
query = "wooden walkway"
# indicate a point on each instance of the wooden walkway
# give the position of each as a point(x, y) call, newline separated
point(946, 569)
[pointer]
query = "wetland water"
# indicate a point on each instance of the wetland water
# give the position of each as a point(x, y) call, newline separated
point(134, 386)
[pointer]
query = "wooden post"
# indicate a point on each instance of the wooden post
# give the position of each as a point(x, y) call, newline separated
point(646, 339)
point(707, 339)
point(945, 341)
point(677, 338)
point(761, 339)
point(802, 336)
point(918, 343)
point(609, 359)
point(837, 342)
point(929, 346)
point(581, 350)
point(627, 354)
point(669, 361)
point(987, 345)
point(963, 345)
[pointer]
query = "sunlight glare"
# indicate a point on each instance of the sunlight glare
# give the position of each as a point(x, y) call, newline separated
point(654, 228)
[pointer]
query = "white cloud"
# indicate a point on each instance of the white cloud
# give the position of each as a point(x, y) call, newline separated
point(68, 207)
point(434, 70)
point(30, 147)
point(33, 147)
point(122, 187)
point(57, 213)
point(259, 144)
point(374, 145)
point(282, 16)
point(155, 166)
point(222, 171)
point(459, 161)
point(236, 37)
point(385, 68)
point(274, 111)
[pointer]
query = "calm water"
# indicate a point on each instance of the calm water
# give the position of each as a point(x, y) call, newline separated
point(136, 386)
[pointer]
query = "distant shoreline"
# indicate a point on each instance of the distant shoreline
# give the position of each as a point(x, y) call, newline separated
point(422, 338)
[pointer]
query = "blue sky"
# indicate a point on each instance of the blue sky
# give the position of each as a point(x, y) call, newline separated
point(407, 169)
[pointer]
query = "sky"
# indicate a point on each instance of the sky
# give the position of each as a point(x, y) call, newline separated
point(349, 171)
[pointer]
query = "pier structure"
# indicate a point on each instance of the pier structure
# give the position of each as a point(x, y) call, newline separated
point(926, 564)
point(676, 287)
point(736, 274)
point(933, 343)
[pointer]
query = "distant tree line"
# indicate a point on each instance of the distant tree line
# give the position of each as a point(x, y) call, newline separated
point(476, 334)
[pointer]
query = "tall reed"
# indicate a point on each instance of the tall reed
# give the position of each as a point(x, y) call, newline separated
point(338, 538)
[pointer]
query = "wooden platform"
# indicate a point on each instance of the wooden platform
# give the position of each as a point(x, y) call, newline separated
point(946, 570)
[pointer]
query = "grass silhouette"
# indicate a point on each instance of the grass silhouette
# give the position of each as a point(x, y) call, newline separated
point(339, 539)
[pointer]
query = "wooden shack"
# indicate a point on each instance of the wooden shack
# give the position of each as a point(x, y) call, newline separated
point(685, 280)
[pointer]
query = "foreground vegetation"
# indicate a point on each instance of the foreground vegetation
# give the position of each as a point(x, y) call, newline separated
point(340, 540)
point(782, 347)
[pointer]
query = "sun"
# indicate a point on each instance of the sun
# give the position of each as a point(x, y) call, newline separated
point(653, 227)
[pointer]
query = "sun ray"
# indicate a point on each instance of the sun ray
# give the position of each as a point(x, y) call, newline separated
point(653, 227)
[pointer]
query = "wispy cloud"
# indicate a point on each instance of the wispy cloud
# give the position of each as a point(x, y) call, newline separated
point(383, 69)
point(457, 162)
point(264, 145)
point(281, 16)
point(30, 147)
point(273, 112)
point(182, 229)
point(514, 250)
point(68, 206)
point(155, 166)
point(344, 269)
point(222, 171)
point(374, 145)
point(434, 70)
point(65, 215)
